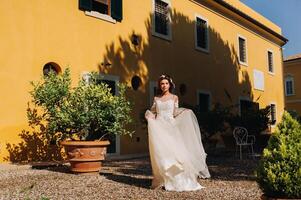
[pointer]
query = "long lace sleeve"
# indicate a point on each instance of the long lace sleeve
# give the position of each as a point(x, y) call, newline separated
point(176, 102)
point(153, 108)
point(177, 110)
point(152, 112)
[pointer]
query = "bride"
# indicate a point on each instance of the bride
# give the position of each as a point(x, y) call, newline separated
point(176, 150)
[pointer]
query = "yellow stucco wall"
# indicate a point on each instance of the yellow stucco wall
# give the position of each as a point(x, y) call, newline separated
point(35, 33)
point(292, 68)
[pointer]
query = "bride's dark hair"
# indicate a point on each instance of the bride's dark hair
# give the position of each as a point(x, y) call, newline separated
point(168, 78)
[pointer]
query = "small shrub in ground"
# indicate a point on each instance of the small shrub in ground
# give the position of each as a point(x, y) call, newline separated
point(295, 115)
point(279, 171)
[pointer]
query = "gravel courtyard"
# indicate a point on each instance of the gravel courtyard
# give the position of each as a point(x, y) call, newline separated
point(126, 179)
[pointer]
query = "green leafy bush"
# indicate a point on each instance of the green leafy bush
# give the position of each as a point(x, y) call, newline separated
point(86, 112)
point(279, 171)
point(213, 121)
point(295, 115)
point(254, 120)
point(221, 117)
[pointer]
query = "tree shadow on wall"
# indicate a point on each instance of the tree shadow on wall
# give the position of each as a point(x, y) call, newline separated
point(148, 56)
point(35, 146)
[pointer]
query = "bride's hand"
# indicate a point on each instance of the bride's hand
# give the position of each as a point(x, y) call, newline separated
point(149, 115)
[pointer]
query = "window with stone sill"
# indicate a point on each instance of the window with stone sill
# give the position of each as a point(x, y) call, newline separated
point(106, 9)
point(162, 19)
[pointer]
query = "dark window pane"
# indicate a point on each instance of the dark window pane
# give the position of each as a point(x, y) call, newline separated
point(117, 9)
point(155, 90)
point(289, 87)
point(273, 114)
point(111, 84)
point(201, 28)
point(112, 147)
point(204, 101)
point(85, 5)
point(270, 60)
point(161, 17)
point(242, 50)
point(288, 91)
point(48, 68)
point(247, 106)
point(100, 7)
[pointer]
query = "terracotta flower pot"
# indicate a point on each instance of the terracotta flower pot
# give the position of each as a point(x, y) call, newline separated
point(85, 156)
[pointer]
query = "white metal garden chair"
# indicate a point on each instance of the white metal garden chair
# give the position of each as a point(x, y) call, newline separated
point(242, 139)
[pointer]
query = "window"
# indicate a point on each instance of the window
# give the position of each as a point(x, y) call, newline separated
point(112, 82)
point(109, 10)
point(136, 82)
point(270, 62)
point(161, 19)
point(247, 106)
point(202, 36)
point(242, 43)
point(289, 86)
point(203, 101)
point(51, 67)
point(273, 113)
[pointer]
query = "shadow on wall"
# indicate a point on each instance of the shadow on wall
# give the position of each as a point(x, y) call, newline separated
point(147, 57)
point(34, 146)
point(218, 71)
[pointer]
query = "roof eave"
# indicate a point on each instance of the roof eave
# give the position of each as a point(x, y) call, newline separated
point(252, 20)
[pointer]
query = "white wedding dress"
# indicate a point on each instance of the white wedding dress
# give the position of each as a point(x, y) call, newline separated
point(176, 150)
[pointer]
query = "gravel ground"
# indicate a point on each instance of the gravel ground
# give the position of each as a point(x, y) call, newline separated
point(126, 179)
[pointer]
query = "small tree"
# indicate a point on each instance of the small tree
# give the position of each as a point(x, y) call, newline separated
point(86, 112)
point(279, 171)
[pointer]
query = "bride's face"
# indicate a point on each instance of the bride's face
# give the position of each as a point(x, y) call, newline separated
point(164, 85)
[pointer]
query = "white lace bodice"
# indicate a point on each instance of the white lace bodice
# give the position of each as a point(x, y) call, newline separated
point(165, 109)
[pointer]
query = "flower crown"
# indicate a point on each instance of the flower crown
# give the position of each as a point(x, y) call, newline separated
point(167, 77)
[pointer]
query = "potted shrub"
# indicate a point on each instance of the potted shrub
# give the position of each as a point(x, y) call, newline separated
point(279, 171)
point(81, 117)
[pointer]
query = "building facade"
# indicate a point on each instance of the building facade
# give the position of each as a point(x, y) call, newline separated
point(216, 51)
point(292, 77)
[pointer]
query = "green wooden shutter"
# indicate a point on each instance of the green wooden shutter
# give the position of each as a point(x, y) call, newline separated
point(116, 9)
point(85, 5)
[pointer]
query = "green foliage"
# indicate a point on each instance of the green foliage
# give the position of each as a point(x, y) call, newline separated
point(279, 171)
point(254, 120)
point(213, 120)
point(87, 111)
point(220, 117)
point(295, 115)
